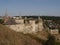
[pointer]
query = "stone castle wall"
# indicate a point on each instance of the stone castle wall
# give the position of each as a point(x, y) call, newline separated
point(29, 28)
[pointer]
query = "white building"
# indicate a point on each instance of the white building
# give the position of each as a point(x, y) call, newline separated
point(54, 31)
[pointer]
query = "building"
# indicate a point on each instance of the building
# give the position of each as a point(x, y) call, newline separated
point(28, 27)
point(54, 31)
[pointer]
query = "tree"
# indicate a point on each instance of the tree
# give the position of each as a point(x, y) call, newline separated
point(1, 21)
point(51, 40)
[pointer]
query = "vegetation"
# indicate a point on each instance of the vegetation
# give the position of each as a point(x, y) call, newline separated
point(1, 21)
point(58, 43)
point(51, 40)
point(50, 17)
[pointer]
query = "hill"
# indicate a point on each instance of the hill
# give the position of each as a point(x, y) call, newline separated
point(10, 37)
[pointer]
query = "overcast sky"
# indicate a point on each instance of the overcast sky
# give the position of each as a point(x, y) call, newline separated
point(30, 7)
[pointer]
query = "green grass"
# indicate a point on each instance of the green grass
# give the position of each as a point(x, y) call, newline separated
point(58, 43)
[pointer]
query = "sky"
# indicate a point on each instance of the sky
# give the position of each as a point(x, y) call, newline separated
point(30, 7)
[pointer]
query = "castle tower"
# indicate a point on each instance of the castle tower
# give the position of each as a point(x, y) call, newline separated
point(40, 24)
point(26, 20)
point(6, 17)
point(20, 17)
point(32, 23)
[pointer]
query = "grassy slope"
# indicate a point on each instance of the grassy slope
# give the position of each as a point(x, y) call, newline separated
point(10, 37)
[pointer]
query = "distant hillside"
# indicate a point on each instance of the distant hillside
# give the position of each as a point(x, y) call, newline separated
point(10, 37)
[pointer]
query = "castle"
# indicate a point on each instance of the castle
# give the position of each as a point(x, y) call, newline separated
point(25, 25)
point(28, 25)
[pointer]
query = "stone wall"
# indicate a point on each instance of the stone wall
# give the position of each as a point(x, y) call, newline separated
point(29, 28)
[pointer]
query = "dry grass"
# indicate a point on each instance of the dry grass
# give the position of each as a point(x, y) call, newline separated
point(10, 37)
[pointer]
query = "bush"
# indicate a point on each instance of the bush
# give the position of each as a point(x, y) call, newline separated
point(50, 41)
point(1, 21)
point(57, 43)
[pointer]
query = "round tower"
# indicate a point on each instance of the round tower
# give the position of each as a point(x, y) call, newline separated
point(40, 24)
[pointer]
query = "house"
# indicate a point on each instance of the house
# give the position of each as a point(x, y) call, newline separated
point(53, 31)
